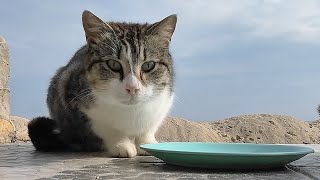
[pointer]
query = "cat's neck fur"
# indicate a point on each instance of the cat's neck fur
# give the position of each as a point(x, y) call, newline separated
point(131, 120)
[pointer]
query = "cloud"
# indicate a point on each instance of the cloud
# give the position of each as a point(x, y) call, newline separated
point(266, 18)
point(294, 21)
point(297, 20)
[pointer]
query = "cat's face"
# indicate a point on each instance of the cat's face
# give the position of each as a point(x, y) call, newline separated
point(129, 63)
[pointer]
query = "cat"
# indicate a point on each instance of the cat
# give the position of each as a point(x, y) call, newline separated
point(114, 93)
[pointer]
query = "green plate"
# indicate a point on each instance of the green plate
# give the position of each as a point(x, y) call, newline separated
point(226, 155)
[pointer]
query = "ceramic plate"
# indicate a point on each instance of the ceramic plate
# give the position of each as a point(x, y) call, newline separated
point(226, 155)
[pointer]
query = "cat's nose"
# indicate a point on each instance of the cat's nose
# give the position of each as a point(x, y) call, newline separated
point(132, 89)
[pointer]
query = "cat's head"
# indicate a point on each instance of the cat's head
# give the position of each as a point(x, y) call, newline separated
point(129, 63)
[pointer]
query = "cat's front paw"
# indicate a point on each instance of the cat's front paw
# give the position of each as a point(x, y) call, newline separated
point(124, 150)
point(142, 152)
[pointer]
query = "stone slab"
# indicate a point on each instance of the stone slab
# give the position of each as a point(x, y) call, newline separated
point(21, 161)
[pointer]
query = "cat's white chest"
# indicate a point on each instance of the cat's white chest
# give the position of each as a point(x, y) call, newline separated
point(130, 120)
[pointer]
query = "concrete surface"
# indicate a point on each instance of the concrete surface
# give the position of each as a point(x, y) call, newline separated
point(21, 161)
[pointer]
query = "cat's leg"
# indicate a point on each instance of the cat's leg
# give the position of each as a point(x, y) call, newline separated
point(122, 148)
point(146, 138)
point(119, 145)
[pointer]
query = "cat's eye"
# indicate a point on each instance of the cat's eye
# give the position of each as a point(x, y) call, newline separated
point(114, 65)
point(148, 66)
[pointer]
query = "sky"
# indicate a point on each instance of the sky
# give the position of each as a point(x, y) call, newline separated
point(231, 57)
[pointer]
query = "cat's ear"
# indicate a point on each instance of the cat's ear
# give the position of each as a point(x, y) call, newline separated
point(94, 27)
point(164, 28)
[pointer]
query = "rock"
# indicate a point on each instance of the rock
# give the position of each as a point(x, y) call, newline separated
point(315, 124)
point(265, 128)
point(21, 128)
point(6, 131)
point(260, 128)
point(178, 129)
point(4, 80)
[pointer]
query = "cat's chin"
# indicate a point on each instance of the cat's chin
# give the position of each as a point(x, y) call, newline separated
point(131, 102)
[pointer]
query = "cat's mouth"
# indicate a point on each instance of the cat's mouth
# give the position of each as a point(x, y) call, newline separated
point(129, 103)
point(133, 100)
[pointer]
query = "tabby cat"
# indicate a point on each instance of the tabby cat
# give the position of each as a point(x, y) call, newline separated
point(114, 93)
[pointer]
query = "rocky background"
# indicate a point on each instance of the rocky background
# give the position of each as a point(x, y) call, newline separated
point(259, 128)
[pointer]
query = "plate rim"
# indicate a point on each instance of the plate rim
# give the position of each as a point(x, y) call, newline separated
point(305, 151)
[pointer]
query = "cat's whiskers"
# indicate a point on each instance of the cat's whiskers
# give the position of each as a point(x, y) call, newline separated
point(177, 99)
point(83, 97)
point(110, 47)
point(102, 92)
point(81, 93)
point(90, 99)
point(115, 35)
point(108, 36)
point(124, 96)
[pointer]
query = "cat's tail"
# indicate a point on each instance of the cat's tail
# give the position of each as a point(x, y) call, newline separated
point(45, 134)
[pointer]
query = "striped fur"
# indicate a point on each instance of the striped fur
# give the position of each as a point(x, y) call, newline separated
point(95, 106)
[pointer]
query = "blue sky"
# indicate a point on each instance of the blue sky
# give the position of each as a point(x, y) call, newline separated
point(231, 57)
